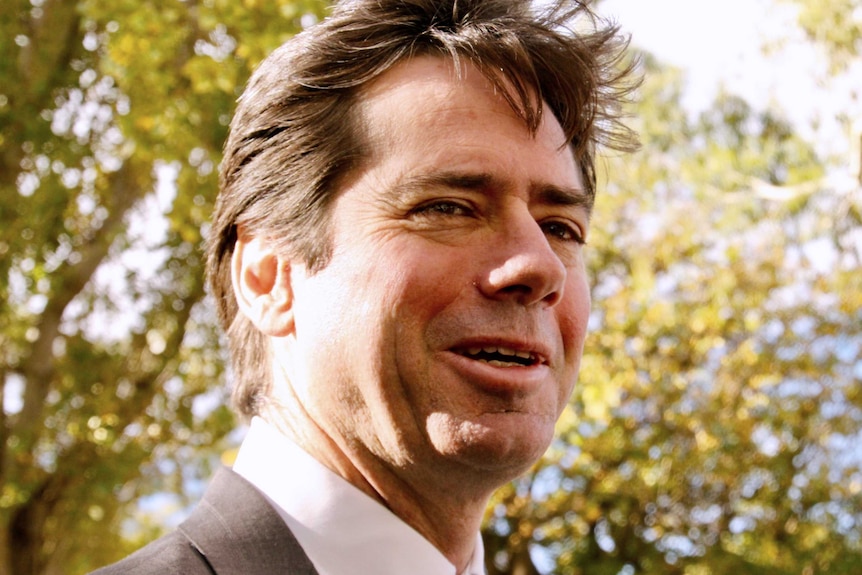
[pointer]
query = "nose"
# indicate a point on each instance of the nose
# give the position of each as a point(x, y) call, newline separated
point(524, 266)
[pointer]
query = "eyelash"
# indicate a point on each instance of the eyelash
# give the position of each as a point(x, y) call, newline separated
point(568, 233)
point(565, 233)
point(444, 207)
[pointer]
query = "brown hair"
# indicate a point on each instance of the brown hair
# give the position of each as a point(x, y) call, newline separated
point(294, 137)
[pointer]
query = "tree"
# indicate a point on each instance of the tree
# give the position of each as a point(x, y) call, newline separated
point(835, 25)
point(109, 361)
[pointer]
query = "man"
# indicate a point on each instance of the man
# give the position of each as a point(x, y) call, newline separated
point(397, 258)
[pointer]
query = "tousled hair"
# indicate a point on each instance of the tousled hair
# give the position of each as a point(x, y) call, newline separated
point(294, 135)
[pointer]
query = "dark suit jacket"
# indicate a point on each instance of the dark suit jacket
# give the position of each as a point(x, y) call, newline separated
point(233, 531)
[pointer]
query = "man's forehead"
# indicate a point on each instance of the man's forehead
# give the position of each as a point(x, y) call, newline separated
point(440, 74)
point(437, 79)
point(438, 90)
point(426, 116)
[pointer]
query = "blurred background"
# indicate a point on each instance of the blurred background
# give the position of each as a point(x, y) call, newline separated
point(717, 425)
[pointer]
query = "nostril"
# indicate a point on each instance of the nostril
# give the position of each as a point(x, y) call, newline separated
point(553, 298)
point(526, 294)
point(517, 289)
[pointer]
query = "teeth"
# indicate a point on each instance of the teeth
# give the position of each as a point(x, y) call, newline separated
point(498, 363)
point(501, 351)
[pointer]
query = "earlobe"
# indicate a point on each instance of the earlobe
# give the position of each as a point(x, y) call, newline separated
point(261, 285)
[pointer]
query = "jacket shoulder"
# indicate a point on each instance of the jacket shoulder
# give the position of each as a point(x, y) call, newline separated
point(234, 530)
point(172, 554)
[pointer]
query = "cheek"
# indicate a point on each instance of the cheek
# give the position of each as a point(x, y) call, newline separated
point(575, 310)
point(573, 319)
point(426, 283)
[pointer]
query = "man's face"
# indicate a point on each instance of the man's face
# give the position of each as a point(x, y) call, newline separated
point(445, 333)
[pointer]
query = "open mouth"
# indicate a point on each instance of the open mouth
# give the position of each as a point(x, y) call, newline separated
point(501, 356)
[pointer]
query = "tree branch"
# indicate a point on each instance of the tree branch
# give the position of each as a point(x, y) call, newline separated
point(38, 368)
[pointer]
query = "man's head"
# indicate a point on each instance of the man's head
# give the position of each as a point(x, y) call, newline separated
point(299, 136)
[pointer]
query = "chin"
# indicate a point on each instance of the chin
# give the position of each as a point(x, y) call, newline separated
point(505, 444)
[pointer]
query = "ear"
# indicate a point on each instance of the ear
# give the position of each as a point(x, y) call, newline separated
point(261, 285)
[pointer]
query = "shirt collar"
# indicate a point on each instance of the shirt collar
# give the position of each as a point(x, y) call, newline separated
point(340, 528)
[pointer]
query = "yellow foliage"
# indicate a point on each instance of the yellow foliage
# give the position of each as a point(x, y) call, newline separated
point(145, 123)
point(763, 380)
point(705, 441)
point(568, 420)
point(600, 398)
point(228, 457)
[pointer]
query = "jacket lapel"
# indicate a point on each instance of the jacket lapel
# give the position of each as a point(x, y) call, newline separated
point(240, 533)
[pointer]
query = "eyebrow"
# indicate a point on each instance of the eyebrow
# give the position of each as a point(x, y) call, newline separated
point(564, 196)
point(549, 194)
point(456, 180)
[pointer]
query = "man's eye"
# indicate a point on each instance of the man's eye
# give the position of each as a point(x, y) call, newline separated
point(443, 208)
point(563, 231)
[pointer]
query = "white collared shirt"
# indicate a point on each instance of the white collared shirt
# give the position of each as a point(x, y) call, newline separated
point(340, 528)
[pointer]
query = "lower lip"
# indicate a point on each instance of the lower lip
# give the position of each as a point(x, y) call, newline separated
point(493, 378)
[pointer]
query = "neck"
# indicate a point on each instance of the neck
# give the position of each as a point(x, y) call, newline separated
point(445, 511)
point(449, 516)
